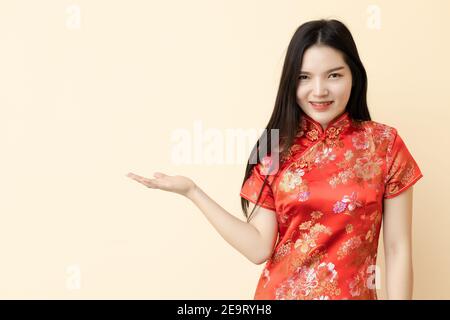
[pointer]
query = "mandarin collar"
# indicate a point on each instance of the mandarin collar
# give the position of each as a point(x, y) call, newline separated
point(313, 130)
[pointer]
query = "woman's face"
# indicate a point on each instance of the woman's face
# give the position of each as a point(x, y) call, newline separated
point(324, 76)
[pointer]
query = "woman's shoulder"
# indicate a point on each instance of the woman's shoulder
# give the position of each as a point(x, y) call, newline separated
point(381, 135)
point(377, 129)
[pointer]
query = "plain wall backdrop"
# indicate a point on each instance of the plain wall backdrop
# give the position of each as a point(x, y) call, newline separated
point(90, 90)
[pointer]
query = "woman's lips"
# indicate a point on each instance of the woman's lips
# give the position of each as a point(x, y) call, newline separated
point(321, 106)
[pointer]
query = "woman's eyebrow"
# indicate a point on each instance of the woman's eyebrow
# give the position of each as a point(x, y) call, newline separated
point(333, 69)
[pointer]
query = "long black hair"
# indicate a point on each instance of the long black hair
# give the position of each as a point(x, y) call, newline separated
point(286, 115)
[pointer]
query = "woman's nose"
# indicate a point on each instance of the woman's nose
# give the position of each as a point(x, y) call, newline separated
point(320, 88)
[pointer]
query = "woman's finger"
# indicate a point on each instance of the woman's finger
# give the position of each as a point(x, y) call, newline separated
point(151, 183)
point(159, 175)
point(132, 175)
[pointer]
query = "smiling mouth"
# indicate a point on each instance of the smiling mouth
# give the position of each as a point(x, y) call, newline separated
point(321, 106)
point(321, 102)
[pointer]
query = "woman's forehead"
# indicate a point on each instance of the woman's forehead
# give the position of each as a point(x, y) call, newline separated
point(322, 58)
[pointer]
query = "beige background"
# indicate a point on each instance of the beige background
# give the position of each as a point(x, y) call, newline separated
point(93, 89)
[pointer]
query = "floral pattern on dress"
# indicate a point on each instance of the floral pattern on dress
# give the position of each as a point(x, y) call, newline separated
point(360, 166)
point(328, 199)
point(318, 281)
point(347, 204)
point(309, 232)
point(362, 285)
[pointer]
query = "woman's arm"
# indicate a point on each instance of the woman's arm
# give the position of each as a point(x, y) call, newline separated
point(255, 240)
point(397, 227)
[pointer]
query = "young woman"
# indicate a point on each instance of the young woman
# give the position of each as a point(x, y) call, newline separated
point(318, 200)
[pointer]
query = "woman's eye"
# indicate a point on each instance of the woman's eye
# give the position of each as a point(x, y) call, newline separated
point(304, 77)
point(337, 74)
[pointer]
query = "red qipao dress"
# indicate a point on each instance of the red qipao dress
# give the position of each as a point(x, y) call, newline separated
point(328, 197)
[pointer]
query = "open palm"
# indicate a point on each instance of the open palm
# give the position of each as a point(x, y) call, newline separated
point(177, 184)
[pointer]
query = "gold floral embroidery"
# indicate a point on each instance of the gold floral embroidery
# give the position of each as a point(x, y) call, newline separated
point(348, 246)
point(364, 241)
point(348, 155)
point(349, 228)
point(361, 169)
point(309, 231)
point(314, 131)
point(313, 135)
point(359, 286)
point(311, 157)
point(305, 225)
point(317, 281)
point(367, 168)
point(402, 180)
point(333, 132)
point(316, 214)
point(283, 250)
point(307, 241)
point(291, 179)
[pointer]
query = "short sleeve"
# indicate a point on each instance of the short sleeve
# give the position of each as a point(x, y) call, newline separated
point(252, 186)
point(402, 170)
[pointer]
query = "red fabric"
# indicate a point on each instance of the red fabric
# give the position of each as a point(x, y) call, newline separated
point(328, 197)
